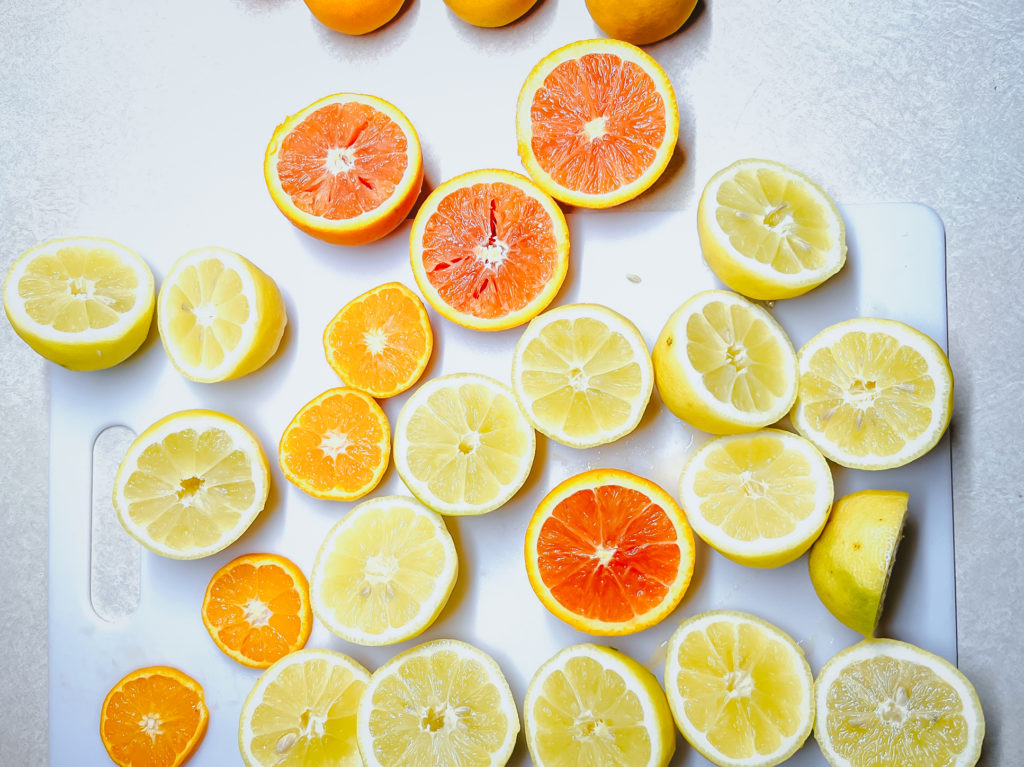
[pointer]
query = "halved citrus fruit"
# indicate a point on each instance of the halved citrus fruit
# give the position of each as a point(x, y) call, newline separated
point(337, 446)
point(489, 249)
point(381, 341)
point(609, 552)
point(597, 123)
point(257, 610)
point(346, 169)
point(155, 717)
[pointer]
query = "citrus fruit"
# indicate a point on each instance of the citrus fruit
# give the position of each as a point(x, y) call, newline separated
point(384, 572)
point(354, 17)
point(595, 706)
point(462, 445)
point(489, 13)
point(256, 609)
point(489, 249)
point(381, 341)
point(760, 499)
point(347, 169)
point(597, 123)
point(444, 703)
point(82, 302)
point(191, 484)
point(768, 231)
point(874, 394)
point(888, 702)
point(851, 562)
point(582, 375)
point(220, 317)
point(724, 364)
point(640, 21)
point(740, 689)
point(302, 712)
point(609, 552)
point(154, 716)
point(337, 446)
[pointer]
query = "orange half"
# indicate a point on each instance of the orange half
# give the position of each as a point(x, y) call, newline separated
point(597, 123)
point(257, 609)
point(337, 446)
point(489, 249)
point(346, 169)
point(609, 552)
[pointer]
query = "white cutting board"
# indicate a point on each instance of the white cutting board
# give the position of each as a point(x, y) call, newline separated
point(896, 269)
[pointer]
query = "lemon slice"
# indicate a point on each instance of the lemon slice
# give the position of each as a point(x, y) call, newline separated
point(582, 375)
point(444, 704)
point(760, 499)
point(462, 445)
point(595, 706)
point(302, 712)
point(220, 317)
point(768, 231)
point(191, 484)
point(724, 364)
point(384, 573)
point(82, 302)
point(874, 394)
point(739, 688)
point(888, 702)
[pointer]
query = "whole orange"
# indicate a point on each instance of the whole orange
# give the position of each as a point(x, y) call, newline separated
point(640, 21)
point(354, 17)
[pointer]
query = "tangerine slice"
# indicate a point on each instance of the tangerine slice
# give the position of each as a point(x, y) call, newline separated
point(257, 609)
point(346, 169)
point(609, 552)
point(381, 341)
point(337, 446)
point(489, 249)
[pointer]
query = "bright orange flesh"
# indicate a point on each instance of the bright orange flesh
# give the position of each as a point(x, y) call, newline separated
point(257, 609)
point(337, 446)
point(381, 341)
point(154, 717)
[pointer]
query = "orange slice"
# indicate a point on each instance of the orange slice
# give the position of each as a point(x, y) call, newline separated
point(154, 717)
point(337, 446)
point(380, 342)
point(346, 169)
point(597, 123)
point(489, 249)
point(609, 552)
point(257, 609)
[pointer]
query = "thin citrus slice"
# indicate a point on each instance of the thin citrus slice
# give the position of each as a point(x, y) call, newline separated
point(220, 317)
point(191, 484)
point(346, 169)
point(337, 446)
point(489, 249)
point(874, 394)
point(760, 499)
point(883, 702)
point(582, 375)
point(153, 717)
point(740, 689)
point(82, 302)
point(597, 123)
point(591, 705)
point(302, 712)
point(444, 704)
point(380, 342)
point(384, 572)
point(609, 552)
point(462, 445)
point(724, 364)
point(768, 231)
point(256, 609)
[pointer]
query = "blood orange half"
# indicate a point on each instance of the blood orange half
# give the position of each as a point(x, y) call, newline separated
point(609, 552)
point(489, 249)
point(346, 169)
point(597, 123)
